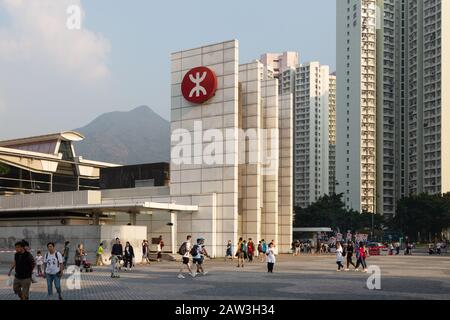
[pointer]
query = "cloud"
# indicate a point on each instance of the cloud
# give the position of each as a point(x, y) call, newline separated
point(38, 33)
point(51, 78)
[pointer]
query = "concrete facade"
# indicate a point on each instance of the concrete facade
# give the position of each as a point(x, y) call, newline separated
point(90, 236)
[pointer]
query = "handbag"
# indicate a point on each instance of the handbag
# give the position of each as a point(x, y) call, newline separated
point(9, 281)
point(34, 278)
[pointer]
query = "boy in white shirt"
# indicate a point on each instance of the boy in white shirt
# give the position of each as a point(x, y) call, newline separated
point(270, 253)
point(54, 268)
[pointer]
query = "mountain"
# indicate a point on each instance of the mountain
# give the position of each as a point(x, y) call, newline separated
point(134, 137)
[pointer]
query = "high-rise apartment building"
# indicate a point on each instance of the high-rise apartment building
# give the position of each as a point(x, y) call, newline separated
point(279, 62)
point(391, 115)
point(332, 134)
point(309, 84)
point(311, 143)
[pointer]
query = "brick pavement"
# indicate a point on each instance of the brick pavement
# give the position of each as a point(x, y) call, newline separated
point(305, 277)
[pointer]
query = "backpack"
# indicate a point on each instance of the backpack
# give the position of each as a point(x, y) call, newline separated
point(182, 250)
point(195, 250)
point(56, 255)
point(264, 247)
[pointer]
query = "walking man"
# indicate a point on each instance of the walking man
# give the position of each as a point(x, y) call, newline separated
point(23, 265)
point(198, 256)
point(240, 253)
point(145, 252)
point(185, 250)
point(116, 254)
point(54, 268)
point(350, 249)
point(160, 249)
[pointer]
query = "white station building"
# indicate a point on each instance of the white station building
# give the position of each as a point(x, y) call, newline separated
point(231, 170)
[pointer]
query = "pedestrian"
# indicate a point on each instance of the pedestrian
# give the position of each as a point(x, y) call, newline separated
point(438, 248)
point(349, 252)
point(270, 253)
point(260, 251)
point(361, 257)
point(250, 249)
point(297, 248)
point(160, 248)
point(199, 253)
point(128, 256)
point(66, 253)
point(99, 260)
point(184, 251)
point(116, 255)
point(23, 265)
point(79, 254)
point(229, 251)
point(240, 253)
point(54, 269)
point(39, 263)
point(391, 249)
point(397, 248)
point(145, 252)
point(245, 250)
point(339, 256)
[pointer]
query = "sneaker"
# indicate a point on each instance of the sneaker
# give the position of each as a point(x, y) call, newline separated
point(356, 269)
point(180, 276)
point(194, 274)
point(60, 297)
point(205, 273)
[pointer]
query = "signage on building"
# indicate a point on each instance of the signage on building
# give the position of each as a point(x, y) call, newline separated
point(199, 85)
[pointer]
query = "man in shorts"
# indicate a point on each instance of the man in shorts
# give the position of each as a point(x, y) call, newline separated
point(199, 253)
point(185, 250)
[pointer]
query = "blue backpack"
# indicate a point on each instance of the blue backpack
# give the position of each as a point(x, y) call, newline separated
point(195, 251)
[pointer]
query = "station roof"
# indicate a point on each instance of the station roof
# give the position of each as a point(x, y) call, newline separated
point(129, 207)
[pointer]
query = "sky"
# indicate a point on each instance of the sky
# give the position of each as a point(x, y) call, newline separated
point(54, 79)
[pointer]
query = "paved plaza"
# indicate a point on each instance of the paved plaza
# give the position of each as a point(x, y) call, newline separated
point(304, 277)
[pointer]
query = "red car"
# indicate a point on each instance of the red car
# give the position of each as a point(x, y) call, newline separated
point(375, 248)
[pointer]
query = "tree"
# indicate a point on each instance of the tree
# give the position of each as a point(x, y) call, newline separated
point(419, 216)
point(330, 211)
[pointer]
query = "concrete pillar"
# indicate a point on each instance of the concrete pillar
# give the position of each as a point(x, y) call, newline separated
point(174, 231)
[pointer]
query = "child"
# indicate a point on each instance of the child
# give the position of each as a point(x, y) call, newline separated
point(270, 253)
point(39, 263)
point(339, 256)
point(229, 253)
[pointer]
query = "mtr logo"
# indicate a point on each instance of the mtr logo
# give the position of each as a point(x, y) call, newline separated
point(199, 85)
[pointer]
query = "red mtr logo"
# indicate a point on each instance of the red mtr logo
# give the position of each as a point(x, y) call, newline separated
point(199, 85)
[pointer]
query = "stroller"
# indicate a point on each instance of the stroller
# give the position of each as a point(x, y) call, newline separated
point(86, 265)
